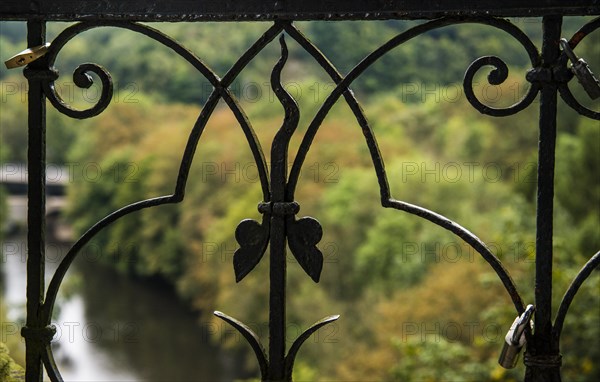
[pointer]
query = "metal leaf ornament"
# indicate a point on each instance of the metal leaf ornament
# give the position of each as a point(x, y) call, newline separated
point(253, 238)
point(303, 236)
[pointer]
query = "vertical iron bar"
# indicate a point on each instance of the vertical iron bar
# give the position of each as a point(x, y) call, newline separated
point(543, 345)
point(36, 203)
point(277, 299)
point(277, 258)
point(278, 240)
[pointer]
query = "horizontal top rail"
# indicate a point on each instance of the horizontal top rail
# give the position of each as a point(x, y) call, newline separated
point(247, 10)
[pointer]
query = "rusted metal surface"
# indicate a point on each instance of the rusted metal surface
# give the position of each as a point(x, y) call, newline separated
point(252, 10)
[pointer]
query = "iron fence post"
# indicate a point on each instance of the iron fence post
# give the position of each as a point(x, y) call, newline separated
point(543, 358)
point(36, 202)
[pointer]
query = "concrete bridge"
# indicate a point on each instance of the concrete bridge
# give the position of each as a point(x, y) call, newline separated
point(13, 178)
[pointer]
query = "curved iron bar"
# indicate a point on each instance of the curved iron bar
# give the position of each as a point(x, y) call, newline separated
point(197, 63)
point(50, 365)
point(82, 79)
point(563, 88)
point(569, 98)
point(70, 32)
point(496, 77)
point(219, 91)
point(359, 114)
point(565, 303)
point(252, 339)
point(228, 78)
point(64, 265)
point(290, 358)
point(386, 199)
point(470, 238)
point(396, 41)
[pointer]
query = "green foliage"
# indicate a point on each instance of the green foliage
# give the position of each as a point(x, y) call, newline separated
point(9, 370)
point(581, 324)
point(13, 122)
point(383, 259)
point(452, 362)
point(191, 244)
point(438, 57)
point(12, 349)
point(61, 132)
point(304, 373)
point(578, 161)
point(579, 165)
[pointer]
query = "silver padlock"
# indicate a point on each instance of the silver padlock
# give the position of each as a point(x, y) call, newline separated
point(515, 339)
point(583, 72)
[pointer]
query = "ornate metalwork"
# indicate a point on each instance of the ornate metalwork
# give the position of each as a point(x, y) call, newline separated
point(279, 224)
point(279, 227)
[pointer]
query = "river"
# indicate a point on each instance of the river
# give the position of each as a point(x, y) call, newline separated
point(113, 328)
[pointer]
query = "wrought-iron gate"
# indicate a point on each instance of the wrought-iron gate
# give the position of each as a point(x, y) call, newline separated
point(549, 75)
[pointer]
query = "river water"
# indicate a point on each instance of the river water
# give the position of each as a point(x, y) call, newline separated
point(112, 328)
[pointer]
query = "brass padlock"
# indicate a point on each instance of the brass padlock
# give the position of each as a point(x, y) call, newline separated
point(28, 55)
point(583, 72)
point(515, 339)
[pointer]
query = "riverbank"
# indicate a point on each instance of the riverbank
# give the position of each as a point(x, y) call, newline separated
point(114, 328)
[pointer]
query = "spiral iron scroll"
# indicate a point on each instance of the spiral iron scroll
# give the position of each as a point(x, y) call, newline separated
point(253, 236)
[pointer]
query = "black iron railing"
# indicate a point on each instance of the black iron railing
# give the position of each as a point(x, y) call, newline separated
point(280, 228)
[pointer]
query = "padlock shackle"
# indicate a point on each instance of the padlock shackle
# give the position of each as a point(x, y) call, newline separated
point(522, 323)
point(564, 44)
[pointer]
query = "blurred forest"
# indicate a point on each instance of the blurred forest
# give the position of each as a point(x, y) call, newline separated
point(416, 303)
